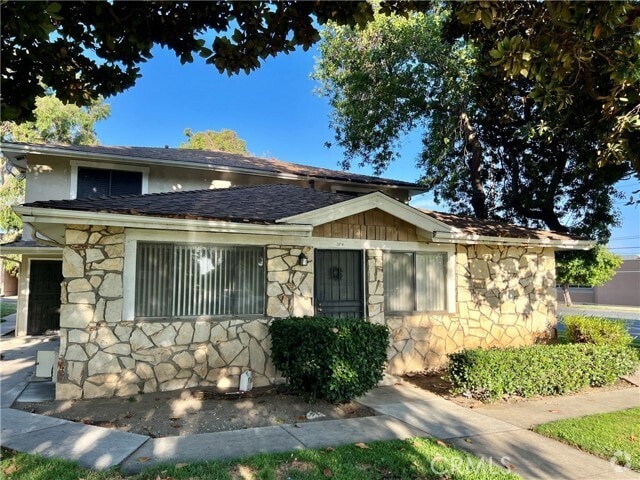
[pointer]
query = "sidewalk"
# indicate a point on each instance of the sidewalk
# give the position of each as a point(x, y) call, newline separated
point(500, 433)
point(402, 411)
point(9, 325)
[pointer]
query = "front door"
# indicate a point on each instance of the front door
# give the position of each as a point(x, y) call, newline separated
point(338, 283)
point(44, 296)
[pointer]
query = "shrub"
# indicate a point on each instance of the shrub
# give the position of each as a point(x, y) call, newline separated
point(538, 369)
point(335, 359)
point(596, 330)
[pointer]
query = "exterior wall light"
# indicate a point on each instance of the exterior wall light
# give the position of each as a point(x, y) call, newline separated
point(303, 261)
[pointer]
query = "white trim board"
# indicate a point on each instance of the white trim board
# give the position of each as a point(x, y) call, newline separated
point(364, 203)
point(73, 189)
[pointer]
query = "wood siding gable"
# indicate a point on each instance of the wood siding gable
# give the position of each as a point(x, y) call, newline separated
point(373, 224)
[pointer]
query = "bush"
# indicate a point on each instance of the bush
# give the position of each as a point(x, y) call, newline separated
point(538, 369)
point(596, 330)
point(335, 359)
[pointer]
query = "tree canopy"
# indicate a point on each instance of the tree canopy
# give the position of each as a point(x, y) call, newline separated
point(84, 49)
point(572, 54)
point(593, 268)
point(222, 141)
point(54, 122)
point(491, 145)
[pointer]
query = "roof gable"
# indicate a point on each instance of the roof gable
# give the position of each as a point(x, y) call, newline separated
point(368, 202)
point(372, 224)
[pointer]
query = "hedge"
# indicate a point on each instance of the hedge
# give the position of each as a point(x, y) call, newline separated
point(335, 359)
point(538, 369)
point(596, 330)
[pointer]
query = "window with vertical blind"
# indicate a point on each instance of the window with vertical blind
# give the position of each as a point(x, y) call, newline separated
point(185, 280)
point(414, 281)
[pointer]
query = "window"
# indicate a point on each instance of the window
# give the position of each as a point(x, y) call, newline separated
point(95, 182)
point(183, 280)
point(414, 282)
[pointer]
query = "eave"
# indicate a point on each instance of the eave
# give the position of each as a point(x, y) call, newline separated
point(13, 152)
point(39, 217)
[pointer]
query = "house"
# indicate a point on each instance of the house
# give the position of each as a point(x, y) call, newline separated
point(163, 291)
point(57, 172)
point(623, 289)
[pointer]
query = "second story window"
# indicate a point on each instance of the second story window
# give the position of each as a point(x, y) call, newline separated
point(96, 182)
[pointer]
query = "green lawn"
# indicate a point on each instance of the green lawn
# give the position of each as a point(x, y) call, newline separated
point(407, 459)
point(606, 435)
point(7, 308)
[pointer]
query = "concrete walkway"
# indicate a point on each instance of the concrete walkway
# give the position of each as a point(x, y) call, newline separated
point(497, 433)
point(8, 326)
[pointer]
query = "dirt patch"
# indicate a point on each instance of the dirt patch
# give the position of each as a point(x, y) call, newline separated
point(242, 472)
point(196, 410)
point(435, 382)
point(285, 470)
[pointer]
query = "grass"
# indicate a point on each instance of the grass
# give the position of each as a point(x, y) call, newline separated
point(606, 435)
point(7, 308)
point(398, 459)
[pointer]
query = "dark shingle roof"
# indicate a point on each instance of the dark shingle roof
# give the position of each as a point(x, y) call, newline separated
point(264, 204)
point(492, 228)
point(255, 204)
point(216, 159)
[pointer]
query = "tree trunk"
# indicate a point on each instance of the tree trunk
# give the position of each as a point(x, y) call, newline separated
point(566, 295)
point(478, 197)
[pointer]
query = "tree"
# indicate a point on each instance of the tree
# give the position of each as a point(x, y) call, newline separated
point(84, 49)
point(222, 141)
point(54, 122)
point(11, 193)
point(593, 268)
point(570, 52)
point(488, 148)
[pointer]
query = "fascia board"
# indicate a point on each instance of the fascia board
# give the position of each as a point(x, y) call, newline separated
point(59, 216)
point(361, 204)
point(442, 237)
point(29, 250)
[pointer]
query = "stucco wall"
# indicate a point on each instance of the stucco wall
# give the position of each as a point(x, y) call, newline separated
point(49, 178)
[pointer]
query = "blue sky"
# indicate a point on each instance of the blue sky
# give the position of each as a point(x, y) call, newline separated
point(273, 109)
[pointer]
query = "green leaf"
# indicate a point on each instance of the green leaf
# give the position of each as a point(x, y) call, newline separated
point(53, 7)
point(486, 18)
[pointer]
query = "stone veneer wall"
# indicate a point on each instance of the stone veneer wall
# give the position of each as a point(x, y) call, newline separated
point(505, 298)
point(289, 285)
point(102, 355)
point(375, 286)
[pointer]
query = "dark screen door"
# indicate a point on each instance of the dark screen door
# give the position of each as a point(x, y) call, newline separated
point(44, 296)
point(338, 283)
